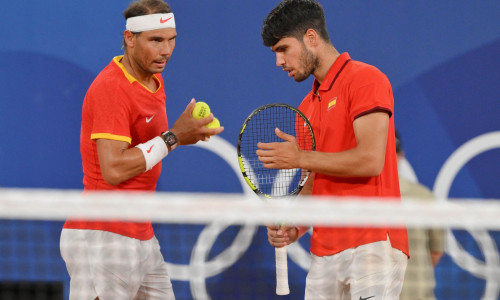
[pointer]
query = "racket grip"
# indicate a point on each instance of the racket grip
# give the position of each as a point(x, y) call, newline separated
point(281, 272)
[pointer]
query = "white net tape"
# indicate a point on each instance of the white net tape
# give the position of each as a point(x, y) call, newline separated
point(240, 209)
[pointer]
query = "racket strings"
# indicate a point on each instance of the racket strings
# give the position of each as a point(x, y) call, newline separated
point(261, 128)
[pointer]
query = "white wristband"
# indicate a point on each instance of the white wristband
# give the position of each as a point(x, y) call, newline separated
point(154, 151)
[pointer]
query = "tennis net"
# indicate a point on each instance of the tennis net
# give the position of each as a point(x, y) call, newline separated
point(215, 245)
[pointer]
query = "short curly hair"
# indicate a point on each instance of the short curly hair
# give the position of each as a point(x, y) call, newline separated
point(146, 7)
point(292, 18)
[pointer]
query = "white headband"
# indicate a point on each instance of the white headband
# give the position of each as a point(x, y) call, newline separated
point(150, 22)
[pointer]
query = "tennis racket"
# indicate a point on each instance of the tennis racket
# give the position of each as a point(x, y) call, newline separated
point(258, 127)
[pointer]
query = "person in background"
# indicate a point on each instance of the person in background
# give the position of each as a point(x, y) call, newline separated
point(426, 244)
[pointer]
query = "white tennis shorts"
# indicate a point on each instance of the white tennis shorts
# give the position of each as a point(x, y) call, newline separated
point(371, 271)
point(114, 267)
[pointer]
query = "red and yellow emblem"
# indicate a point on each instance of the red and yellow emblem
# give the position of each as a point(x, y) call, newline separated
point(332, 103)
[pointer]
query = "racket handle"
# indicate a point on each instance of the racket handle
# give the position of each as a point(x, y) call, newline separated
point(281, 272)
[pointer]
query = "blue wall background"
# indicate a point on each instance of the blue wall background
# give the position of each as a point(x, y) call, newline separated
point(442, 58)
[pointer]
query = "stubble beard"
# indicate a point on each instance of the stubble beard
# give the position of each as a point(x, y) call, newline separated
point(309, 62)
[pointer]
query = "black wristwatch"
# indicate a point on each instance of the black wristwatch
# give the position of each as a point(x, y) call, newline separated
point(170, 139)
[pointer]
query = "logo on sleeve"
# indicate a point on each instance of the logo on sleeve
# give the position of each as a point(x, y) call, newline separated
point(149, 119)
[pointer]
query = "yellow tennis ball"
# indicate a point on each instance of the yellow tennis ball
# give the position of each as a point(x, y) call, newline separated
point(201, 110)
point(214, 124)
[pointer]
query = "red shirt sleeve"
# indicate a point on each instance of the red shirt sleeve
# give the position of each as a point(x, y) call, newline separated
point(371, 91)
point(111, 114)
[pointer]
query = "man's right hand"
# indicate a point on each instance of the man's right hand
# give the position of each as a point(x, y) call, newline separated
point(280, 236)
point(189, 130)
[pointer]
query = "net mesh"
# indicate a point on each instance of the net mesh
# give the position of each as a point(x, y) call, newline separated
point(215, 245)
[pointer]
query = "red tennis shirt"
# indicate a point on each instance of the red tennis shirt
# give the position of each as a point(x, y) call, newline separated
point(350, 90)
point(118, 107)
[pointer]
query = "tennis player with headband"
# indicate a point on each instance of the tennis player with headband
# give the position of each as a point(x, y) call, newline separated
point(124, 137)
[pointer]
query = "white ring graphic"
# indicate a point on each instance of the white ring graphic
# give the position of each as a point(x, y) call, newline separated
point(490, 268)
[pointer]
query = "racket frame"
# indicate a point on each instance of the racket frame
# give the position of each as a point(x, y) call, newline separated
point(240, 157)
point(282, 287)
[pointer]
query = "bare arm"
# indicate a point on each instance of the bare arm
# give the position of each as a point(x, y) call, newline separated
point(436, 257)
point(366, 159)
point(436, 244)
point(119, 162)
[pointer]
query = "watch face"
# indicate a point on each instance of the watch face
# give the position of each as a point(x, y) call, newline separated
point(170, 138)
